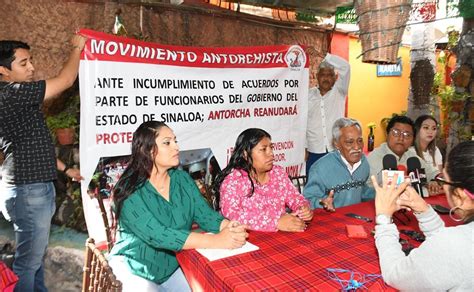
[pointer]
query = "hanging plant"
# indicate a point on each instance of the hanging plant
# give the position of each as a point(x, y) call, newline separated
point(452, 101)
point(421, 79)
point(437, 83)
point(466, 9)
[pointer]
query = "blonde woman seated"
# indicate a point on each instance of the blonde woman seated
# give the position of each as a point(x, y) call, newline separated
point(426, 128)
point(155, 205)
point(445, 260)
point(255, 192)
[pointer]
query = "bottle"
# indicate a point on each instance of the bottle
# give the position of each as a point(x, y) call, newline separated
point(370, 140)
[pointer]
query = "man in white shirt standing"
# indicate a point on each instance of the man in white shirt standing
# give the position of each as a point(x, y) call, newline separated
point(326, 104)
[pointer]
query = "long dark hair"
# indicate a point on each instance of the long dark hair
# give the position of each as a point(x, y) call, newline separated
point(432, 145)
point(241, 158)
point(140, 165)
point(460, 168)
point(460, 165)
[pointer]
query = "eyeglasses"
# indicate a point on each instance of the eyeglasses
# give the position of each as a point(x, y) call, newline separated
point(441, 181)
point(397, 133)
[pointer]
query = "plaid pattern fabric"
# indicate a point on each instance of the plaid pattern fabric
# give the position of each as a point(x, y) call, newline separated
point(295, 261)
point(7, 277)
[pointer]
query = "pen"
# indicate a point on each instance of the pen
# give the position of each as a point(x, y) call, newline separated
point(359, 217)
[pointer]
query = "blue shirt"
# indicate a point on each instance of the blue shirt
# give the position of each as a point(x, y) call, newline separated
point(331, 173)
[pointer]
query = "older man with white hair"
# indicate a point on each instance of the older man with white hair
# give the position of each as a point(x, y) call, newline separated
point(326, 104)
point(339, 178)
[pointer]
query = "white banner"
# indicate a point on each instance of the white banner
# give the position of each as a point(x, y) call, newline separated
point(207, 96)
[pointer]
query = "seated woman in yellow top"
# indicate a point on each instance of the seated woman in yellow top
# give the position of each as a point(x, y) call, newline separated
point(155, 205)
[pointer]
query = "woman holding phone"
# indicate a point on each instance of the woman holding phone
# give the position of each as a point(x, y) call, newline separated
point(444, 261)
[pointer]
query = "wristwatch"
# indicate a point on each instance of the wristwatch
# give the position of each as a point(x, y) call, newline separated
point(382, 219)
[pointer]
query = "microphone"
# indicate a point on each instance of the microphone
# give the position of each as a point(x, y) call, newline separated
point(416, 174)
point(389, 162)
point(389, 169)
point(402, 167)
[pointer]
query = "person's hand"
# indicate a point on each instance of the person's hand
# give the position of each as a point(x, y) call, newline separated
point(78, 41)
point(305, 213)
point(434, 188)
point(387, 196)
point(328, 202)
point(74, 173)
point(236, 227)
point(411, 200)
point(291, 223)
point(233, 235)
point(312, 52)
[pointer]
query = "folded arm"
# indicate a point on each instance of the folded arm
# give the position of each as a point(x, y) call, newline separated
point(343, 70)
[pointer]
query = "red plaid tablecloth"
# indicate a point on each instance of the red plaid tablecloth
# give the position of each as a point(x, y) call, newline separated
point(295, 261)
point(8, 279)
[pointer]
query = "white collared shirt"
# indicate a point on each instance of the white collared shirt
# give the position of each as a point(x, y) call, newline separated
point(350, 167)
point(323, 111)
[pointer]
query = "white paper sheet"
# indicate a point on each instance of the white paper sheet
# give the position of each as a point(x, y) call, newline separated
point(213, 254)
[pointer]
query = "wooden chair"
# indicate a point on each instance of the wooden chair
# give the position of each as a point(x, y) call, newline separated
point(108, 233)
point(97, 274)
point(299, 182)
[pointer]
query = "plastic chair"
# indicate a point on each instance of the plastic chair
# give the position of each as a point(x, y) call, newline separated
point(98, 275)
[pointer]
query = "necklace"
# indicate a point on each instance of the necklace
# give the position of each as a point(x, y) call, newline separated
point(163, 186)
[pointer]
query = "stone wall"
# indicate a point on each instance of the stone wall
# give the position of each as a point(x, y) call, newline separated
point(47, 25)
point(62, 266)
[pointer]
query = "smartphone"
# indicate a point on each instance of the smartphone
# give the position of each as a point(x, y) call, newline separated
point(390, 176)
point(352, 215)
point(440, 209)
point(415, 235)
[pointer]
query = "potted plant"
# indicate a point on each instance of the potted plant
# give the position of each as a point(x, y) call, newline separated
point(63, 125)
point(452, 106)
point(452, 101)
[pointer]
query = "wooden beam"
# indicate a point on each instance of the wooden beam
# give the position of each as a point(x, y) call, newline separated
point(322, 7)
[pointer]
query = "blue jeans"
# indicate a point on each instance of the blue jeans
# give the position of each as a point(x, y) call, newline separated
point(30, 208)
point(131, 282)
point(177, 282)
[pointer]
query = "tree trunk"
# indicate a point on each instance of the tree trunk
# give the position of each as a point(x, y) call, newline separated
point(461, 128)
point(422, 52)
